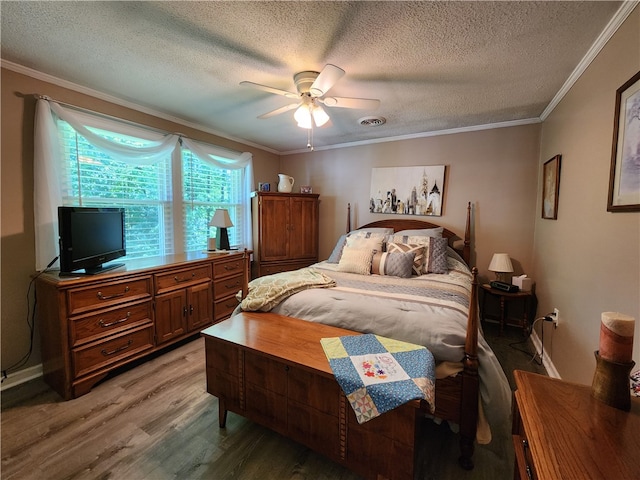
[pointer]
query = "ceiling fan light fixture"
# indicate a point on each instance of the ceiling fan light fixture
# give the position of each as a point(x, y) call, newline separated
point(320, 117)
point(303, 116)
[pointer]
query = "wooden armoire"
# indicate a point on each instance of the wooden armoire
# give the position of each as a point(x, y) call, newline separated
point(285, 231)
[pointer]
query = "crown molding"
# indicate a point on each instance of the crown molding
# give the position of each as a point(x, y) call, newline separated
point(434, 133)
point(621, 15)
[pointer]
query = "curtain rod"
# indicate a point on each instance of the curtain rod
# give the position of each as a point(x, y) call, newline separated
point(39, 96)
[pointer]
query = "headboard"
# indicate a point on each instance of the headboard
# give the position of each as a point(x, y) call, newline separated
point(463, 249)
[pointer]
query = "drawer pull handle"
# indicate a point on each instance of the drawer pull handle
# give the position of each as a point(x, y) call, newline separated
point(115, 295)
point(230, 267)
point(529, 472)
point(179, 280)
point(231, 285)
point(111, 324)
point(119, 349)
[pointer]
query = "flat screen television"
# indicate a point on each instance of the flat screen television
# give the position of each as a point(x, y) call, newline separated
point(89, 238)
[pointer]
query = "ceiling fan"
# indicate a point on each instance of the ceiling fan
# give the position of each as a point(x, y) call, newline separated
point(311, 96)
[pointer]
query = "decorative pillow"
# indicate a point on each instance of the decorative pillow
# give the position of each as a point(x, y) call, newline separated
point(373, 242)
point(424, 232)
point(414, 239)
point(418, 250)
point(381, 230)
point(356, 260)
point(337, 250)
point(375, 233)
point(397, 264)
point(436, 256)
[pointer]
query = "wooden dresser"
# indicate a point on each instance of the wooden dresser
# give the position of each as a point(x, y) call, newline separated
point(285, 231)
point(561, 432)
point(272, 369)
point(93, 324)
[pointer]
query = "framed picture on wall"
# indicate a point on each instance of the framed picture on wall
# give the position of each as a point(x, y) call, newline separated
point(407, 190)
point(551, 188)
point(624, 176)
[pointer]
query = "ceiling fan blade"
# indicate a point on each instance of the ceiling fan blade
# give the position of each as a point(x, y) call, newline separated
point(280, 110)
point(345, 102)
point(327, 78)
point(277, 91)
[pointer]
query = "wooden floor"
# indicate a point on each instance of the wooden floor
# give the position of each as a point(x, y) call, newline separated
point(156, 421)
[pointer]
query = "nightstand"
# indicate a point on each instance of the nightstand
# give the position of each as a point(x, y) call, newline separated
point(526, 298)
point(560, 432)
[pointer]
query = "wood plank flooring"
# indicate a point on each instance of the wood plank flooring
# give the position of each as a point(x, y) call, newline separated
point(156, 421)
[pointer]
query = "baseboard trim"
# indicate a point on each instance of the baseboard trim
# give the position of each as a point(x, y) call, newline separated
point(546, 361)
point(21, 376)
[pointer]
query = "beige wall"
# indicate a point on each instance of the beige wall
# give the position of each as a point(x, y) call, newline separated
point(17, 255)
point(494, 169)
point(588, 259)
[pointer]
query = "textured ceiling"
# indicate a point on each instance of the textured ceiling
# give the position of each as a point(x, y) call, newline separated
point(433, 65)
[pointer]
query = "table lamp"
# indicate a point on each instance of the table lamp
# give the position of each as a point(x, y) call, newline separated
point(500, 264)
point(221, 221)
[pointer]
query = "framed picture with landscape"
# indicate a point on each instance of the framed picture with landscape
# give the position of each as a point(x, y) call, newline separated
point(624, 176)
point(551, 188)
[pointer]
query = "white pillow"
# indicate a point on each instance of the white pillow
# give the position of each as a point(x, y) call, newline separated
point(425, 232)
point(382, 230)
point(356, 260)
point(369, 243)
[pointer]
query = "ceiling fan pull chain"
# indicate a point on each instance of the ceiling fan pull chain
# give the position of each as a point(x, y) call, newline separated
point(310, 138)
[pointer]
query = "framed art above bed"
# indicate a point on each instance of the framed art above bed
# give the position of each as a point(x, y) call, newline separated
point(407, 190)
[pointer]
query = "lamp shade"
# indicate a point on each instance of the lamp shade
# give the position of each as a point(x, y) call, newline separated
point(303, 116)
point(501, 263)
point(320, 117)
point(221, 219)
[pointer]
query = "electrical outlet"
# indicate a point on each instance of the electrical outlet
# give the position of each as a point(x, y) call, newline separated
point(556, 317)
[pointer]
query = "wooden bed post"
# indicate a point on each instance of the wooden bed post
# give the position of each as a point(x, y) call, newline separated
point(470, 381)
point(246, 259)
point(466, 251)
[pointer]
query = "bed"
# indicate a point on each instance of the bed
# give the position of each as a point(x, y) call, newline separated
point(436, 310)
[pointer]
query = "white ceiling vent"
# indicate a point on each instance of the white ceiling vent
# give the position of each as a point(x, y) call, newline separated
point(372, 121)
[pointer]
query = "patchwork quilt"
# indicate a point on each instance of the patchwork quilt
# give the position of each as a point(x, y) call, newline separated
point(378, 374)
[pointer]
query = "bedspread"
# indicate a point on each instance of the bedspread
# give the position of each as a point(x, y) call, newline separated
point(429, 310)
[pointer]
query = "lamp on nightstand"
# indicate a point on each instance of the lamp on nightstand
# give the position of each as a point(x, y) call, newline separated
point(500, 264)
point(221, 221)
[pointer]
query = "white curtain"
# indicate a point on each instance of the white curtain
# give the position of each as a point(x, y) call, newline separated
point(222, 158)
point(48, 158)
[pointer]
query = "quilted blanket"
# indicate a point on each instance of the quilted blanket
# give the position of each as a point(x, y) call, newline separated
point(266, 292)
point(378, 374)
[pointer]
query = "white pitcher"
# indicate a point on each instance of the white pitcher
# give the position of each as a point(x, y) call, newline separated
point(285, 184)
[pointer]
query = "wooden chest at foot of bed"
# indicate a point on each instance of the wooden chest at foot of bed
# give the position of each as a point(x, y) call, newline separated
point(272, 370)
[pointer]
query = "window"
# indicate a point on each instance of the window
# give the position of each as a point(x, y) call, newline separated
point(168, 203)
point(205, 189)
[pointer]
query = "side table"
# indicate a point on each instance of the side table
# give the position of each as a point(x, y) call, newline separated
point(525, 297)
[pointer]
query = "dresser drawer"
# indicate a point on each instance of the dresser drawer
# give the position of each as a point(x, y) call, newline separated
point(226, 287)
point(93, 357)
point(226, 268)
point(224, 308)
point(182, 278)
point(91, 327)
point(109, 294)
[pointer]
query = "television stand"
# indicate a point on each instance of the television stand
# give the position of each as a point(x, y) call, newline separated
point(93, 324)
point(102, 268)
point(92, 270)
